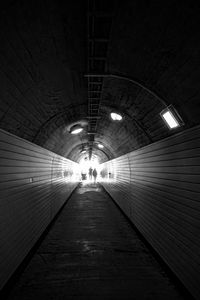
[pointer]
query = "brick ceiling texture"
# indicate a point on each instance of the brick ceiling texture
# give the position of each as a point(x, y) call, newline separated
point(74, 62)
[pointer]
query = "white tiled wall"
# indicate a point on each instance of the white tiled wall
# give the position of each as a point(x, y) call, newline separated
point(158, 187)
point(34, 184)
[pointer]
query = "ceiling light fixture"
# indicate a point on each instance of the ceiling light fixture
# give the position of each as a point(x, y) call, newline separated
point(171, 117)
point(76, 129)
point(116, 116)
point(100, 146)
point(83, 151)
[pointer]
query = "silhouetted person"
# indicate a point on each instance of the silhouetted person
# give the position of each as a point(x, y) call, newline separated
point(94, 173)
point(90, 173)
point(83, 175)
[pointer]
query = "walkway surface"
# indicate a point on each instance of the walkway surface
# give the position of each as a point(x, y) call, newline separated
point(92, 252)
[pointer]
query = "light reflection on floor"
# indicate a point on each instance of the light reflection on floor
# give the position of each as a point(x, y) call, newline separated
point(88, 186)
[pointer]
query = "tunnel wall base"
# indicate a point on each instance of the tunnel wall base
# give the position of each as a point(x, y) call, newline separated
point(158, 189)
point(34, 184)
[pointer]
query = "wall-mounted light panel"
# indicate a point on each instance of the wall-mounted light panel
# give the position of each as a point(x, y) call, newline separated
point(171, 117)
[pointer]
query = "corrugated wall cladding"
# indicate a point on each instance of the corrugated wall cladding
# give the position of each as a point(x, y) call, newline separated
point(34, 184)
point(158, 187)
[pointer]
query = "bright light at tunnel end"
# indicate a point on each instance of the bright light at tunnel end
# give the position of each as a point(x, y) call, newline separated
point(116, 117)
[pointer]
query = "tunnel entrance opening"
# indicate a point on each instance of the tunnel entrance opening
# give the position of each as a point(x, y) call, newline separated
point(90, 169)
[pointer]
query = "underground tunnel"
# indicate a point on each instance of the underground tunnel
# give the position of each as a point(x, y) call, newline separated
point(111, 85)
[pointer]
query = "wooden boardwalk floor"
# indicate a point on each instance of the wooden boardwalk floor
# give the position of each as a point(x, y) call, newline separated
point(92, 252)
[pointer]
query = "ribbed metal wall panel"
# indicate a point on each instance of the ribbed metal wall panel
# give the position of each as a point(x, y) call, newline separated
point(158, 187)
point(34, 184)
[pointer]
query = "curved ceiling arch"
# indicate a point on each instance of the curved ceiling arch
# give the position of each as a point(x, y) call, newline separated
point(116, 108)
point(103, 154)
point(137, 57)
point(68, 116)
point(133, 81)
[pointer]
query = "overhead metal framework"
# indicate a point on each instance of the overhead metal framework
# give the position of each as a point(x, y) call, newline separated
point(99, 20)
point(136, 82)
point(75, 62)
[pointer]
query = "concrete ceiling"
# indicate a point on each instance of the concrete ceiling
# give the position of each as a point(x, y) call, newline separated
point(63, 62)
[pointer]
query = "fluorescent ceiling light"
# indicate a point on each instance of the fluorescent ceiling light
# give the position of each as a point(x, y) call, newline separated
point(100, 146)
point(76, 129)
point(83, 151)
point(171, 117)
point(116, 117)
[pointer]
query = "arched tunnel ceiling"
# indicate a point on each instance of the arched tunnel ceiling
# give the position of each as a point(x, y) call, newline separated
point(144, 55)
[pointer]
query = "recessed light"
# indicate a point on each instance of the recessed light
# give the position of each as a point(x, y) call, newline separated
point(83, 151)
point(100, 146)
point(76, 129)
point(116, 116)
